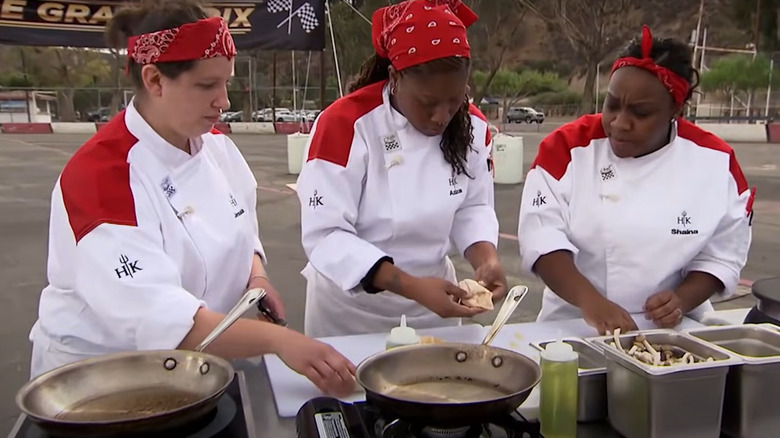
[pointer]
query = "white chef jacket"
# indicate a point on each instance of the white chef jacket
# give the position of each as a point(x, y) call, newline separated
point(373, 186)
point(636, 226)
point(141, 236)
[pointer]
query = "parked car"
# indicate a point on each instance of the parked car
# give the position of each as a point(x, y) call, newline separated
point(231, 116)
point(524, 114)
point(99, 115)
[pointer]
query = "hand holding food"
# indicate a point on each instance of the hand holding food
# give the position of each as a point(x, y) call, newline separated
point(441, 297)
point(606, 316)
point(479, 296)
point(491, 276)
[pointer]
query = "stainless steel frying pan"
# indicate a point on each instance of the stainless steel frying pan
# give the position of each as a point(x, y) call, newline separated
point(451, 384)
point(138, 392)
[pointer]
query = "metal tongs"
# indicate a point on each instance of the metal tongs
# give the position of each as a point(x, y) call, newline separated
point(266, 312)
point(513, 298)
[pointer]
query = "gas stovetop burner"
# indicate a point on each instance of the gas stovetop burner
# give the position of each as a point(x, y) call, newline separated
point(459, 432)
point(329, 418)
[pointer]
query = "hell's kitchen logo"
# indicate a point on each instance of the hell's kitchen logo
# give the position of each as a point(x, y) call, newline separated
point(315, 201)
point(684, 221)
point(539, 200)
point(127, 268)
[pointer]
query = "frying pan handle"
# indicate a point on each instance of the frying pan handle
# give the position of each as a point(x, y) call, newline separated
point(513, 298)
point(250, 298)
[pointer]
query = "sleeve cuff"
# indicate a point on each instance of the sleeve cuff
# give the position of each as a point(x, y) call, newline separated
point(345, 259)
point(542, 242)
point(368, 281)
point(168, 323)
point(723, 273)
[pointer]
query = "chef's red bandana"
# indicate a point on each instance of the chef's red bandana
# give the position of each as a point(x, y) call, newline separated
point(206, 38)
point(417, 31)
point(677, 85)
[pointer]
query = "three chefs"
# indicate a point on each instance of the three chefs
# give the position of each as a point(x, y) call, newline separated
point(396, 170)
point(154, 234)
point(636, 212)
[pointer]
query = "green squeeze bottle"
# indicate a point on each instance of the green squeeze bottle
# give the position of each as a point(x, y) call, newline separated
point(558, 391)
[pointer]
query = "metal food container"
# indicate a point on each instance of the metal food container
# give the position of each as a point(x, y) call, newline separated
point(749, 410)
point(592, 380)
point(677, 401)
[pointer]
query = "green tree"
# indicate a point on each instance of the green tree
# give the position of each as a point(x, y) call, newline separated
point(593, 28)
point(493, 36)
point(511, 86)
point(735, 75)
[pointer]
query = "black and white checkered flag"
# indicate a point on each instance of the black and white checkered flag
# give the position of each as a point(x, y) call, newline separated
point(308, 17)
point(275, 6)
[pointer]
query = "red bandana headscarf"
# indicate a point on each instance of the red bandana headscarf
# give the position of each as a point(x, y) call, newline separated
point(677, 85)
point(417, 31)
point(206, 38)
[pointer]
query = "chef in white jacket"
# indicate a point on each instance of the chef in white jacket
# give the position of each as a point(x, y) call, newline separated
point(153, 232)
point(394, 172)
point(635, 212)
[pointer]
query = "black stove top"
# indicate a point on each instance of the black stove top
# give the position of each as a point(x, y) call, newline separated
point(227, 420)
point(326, 417)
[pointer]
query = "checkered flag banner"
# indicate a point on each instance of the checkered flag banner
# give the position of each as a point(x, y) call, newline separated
point(308, 17)
point(275, 6)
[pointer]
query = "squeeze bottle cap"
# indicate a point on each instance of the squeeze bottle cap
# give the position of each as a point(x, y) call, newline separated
point(403, 335)
point(559, 351)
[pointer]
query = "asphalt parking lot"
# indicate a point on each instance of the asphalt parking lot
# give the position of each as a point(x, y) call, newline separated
point(29, 165)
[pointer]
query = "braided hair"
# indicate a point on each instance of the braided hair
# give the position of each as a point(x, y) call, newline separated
point(458, 136)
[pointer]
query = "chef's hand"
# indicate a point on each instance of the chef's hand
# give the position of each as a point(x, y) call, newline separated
point(331, 372)
point(606, 316)
point(272, 298)
point(664, 309)
point(441, 297)
point(492, 276)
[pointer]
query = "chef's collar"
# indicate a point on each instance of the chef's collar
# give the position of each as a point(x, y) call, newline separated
point(166, 152)
point(398, 120)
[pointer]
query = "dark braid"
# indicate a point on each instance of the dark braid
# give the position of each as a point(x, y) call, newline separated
point(457, 139)
point(458, 136)
point(374, 70)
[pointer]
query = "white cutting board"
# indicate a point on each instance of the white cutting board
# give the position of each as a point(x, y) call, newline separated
point(292, 390)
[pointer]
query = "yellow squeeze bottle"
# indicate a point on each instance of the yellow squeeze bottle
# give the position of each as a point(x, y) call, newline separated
point(558, 391)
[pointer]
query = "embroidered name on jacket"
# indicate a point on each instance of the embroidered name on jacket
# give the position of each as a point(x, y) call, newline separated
point(454, 189)
point(234, 203)
point(683, 221)
point(127, 268)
